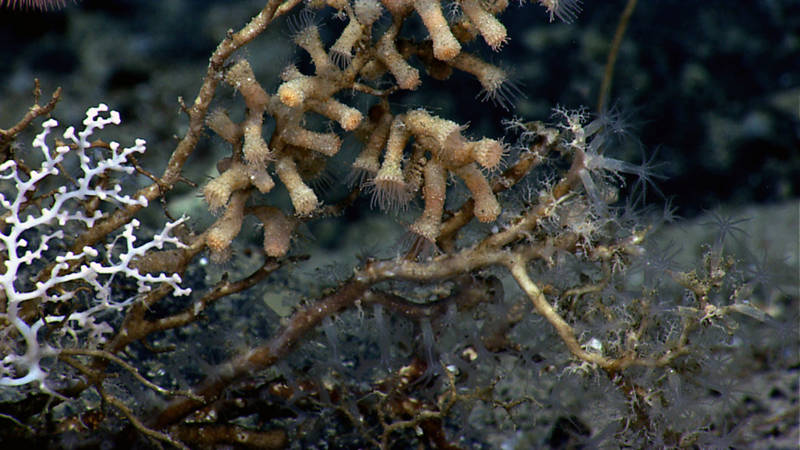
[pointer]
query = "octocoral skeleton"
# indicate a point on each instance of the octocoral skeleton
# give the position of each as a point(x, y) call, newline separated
point(82, 279)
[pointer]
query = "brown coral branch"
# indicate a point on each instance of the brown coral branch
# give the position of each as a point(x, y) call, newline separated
point(35, 111)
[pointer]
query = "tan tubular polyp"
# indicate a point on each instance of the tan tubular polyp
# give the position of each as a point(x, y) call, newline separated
point(218, 190)
point(261, 179)
point(220, 123)
point(303, 198)
point(433, 132)
point(295, 91)
point(347, 117)
point(241, 77)
point(489, 76)
point(310, 41)
point(227, 227)
point(445, 45)
point(395, 144)
point(367, 160)
point(486, 152)
point(255, 148)
point(326, 143)
point(433, 192)
point(277, 230)
point(487, 207)
point(406, 76)
point(493, 32)
point(347, 40)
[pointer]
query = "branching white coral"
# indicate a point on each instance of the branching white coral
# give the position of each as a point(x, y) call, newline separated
point(33, 238)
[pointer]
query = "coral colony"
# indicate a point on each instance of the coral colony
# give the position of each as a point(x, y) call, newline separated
point(527, 283)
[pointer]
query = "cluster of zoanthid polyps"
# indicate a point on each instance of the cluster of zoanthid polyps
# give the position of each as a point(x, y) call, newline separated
point(405, 154)
point(70, 305)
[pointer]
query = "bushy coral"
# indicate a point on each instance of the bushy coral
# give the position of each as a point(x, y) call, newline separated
point(41, 275)
point(496, 331)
